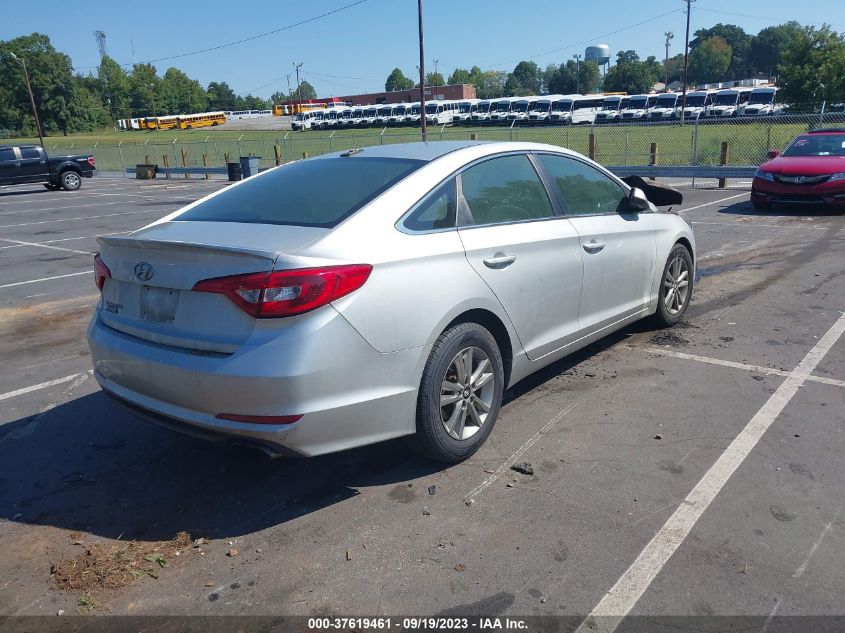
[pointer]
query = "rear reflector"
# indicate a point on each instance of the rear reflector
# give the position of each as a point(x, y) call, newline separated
point(259, 419)
point(92, 161)
point(288, 292)
point(101, 272)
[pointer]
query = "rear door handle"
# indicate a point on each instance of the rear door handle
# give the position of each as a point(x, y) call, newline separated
point(594, 246)
point(500, 260)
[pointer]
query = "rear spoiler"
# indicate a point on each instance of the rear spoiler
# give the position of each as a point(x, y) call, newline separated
point(235, 251)
point(659, 195)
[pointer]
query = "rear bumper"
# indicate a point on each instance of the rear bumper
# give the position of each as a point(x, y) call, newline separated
point(777, 193)
point(347, 393)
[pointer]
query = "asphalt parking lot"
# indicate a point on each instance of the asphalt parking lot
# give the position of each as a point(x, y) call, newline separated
point(694, 471)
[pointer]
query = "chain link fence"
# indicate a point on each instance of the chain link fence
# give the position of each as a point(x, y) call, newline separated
point(741, 141)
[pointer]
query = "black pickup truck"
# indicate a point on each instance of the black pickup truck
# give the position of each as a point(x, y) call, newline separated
point(22, 164)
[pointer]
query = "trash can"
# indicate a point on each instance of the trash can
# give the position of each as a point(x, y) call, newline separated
point(249, 165)
point(235, 172)
point(145, 172)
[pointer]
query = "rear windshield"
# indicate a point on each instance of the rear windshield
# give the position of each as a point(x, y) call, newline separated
point(319, 193)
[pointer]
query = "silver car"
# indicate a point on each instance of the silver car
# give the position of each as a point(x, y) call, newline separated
point(379, 292)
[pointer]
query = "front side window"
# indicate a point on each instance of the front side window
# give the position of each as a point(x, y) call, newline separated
point(505, 189)
point(30, 152)
point(436, 211)
point(584, 189)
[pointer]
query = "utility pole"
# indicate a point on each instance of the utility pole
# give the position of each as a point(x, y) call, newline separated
point(669, 36)
point(577, 73)
point(298, 89)
point(435, 77)
point(288, 76)
point(686, 60)
point(422, 71)
point(31, 97)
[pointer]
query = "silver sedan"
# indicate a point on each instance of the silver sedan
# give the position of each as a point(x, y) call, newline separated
point(380, 292)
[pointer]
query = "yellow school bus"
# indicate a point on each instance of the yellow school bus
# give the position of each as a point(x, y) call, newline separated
point(161, 122)
point(202, 119)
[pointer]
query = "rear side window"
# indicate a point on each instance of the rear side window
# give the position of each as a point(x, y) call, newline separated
point(7, 154)
point(505, 189)
point(319, 193)
point(436, 211)
point(30, 152)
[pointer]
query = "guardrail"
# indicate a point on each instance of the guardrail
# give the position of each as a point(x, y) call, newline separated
point(696, 171)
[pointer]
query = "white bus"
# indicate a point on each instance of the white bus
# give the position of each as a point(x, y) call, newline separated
point(728, 102)
point(412, 114)
point(762, 102)
point(638, 107)
point(500, 108)
point(464, 110)
point(697, 104)
point(397, 114)
point(585, 108)
point(481, 114)
point(520, 108)
point(383, 114)
point(333, 117)
point(611, 108)
point(368, 118)
point(307, 120)
point(665, 107)
point(439, 112)
point(538, 112)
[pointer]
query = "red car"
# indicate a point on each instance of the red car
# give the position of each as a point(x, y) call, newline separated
point(811, 171)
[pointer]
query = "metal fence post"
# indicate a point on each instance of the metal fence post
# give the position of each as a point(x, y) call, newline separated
point(821, 114)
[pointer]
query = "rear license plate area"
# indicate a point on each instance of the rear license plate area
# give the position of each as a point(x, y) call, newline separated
point(158, 305)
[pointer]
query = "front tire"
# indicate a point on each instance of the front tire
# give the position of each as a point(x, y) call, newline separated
point(761, 206)
point(460, 394)
point(52, 186)
point(70, 180)
point(676, 284)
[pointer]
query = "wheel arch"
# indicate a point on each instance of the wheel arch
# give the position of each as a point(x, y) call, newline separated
point(493, 324)
point(686, 243)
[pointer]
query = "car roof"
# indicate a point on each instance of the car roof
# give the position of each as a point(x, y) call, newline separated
point(433, 150)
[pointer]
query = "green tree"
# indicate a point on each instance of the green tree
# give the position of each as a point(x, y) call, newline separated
point(434, 79)
point(740, 66)
point(114, 87)
point(221, 97)
point(180, 94)
point(255, 103)
point(145, 92)
point(769, 46)
point(460, 76)
point(589, 77)
point(397, 80)
point(306, 91)
point(812, 66)
point(630, 75)
point(491, 84)
point(709, 61)
point(528, 77)
point(52, 80)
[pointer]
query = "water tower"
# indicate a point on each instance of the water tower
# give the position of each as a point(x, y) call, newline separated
point(600, 54)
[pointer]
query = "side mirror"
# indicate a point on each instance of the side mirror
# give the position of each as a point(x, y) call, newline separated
point(773, 153)
point(637, 200)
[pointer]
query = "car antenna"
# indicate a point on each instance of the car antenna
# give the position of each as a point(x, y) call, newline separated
point(351, 152)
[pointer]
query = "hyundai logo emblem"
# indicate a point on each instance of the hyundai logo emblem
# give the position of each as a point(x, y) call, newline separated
point(144, 271)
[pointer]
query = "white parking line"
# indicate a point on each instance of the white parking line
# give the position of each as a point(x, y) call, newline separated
point(35, 281)
point(64, 239)
point(729, 363)
point(87, 217)
point(43, 385)
point(803, 566)
point(55, 248)
point(709, 204)
point(622, 597)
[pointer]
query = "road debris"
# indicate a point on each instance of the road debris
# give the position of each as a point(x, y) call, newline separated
point(426, 512)
point(349, 554)
point(658, 437)
point(526, 468)
point(432, 489)
point(232, 552)
point(459, 567)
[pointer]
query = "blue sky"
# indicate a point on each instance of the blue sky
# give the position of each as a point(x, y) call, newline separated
point(354, 49)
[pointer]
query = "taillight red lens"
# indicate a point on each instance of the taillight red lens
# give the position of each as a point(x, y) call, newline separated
point(288, 292)
point(101, 272)
point(92, 161)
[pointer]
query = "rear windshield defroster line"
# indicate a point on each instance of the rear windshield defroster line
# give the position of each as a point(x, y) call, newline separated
point(318, 193)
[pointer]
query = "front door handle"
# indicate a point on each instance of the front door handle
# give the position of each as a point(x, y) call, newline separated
point(594, 246)
point(499, 260)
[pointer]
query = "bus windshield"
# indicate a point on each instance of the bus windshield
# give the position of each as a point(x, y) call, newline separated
point(415, 109)
point(431, 108)
point(483, 107)
point(562, 106)
point(464, 108)
point(761, 98)
point(638, 103)
point(666, 101)
point(540, 106)
point(695, 101)
point(727, 100)
point(611, 104)
point(503, 106)
point(520, 106)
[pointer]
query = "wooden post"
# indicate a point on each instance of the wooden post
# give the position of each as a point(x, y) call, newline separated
point(278, 154)
point(185, 161)
point(205, 164)
point(226, 157)
point(473, 136)
point(652, 156)
point(592, 146)
point(304, 154)
point(166, 161)
point(147, 159)
point(723, 160)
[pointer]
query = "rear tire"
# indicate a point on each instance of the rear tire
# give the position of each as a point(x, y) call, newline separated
point(676, 283)
point(464, 376)
point(70, 180)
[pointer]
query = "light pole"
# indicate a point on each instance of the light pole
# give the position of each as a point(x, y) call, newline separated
point(577, 73)
point(288, 76)
point(31, 96)
point(669, 36)
point(422, 71)
point(298, 89)
point(686, 61)
point(435, 77)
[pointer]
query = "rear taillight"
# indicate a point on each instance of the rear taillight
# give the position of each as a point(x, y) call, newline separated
point(101, 272)
point(288, 292)
point(92, 161)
